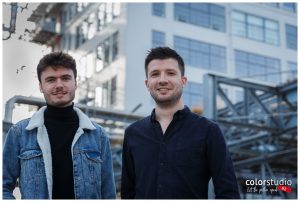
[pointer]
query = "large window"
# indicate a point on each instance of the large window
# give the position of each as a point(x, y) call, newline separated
point(106, 94)
point(115, 46)
point(250, 65)
point(290, 7)
point(106, 13)
point(69, 11)
point(113, 91)
point(158, 9)
point(86, 30)
point(81, 6)
point(291, 36)
point(158, 39)
point(255, 28)
point(193, 94)
point(107, 51)
point(293, 70)
point(206, 15)
point(200, 54)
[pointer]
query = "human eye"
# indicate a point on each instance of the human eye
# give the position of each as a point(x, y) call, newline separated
point(171, 73)
point(154, 74)
point(66, 78)
point(50, 80)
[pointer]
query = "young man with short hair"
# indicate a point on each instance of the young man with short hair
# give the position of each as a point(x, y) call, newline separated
point(58, 153)
point(173, 153)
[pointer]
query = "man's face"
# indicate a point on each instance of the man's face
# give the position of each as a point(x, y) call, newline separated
point(165, 82)
point(58, 86)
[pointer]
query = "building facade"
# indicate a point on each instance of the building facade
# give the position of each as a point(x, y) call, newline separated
point(255, 42)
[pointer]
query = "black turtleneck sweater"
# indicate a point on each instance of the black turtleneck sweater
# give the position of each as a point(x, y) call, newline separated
point(61, 124)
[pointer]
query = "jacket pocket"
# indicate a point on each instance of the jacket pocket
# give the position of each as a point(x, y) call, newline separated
point(93, 156)
point(32, 166)
point(92, 167)
point(30, 154)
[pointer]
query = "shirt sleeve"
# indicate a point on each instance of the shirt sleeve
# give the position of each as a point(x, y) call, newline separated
point(11, 163)
point(220, 165)
point(128, 179)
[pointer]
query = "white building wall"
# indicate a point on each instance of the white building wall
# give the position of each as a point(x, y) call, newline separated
point(138, 41)
point(135, 26)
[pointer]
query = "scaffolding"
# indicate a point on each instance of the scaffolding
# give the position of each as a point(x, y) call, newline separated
point(260, 130)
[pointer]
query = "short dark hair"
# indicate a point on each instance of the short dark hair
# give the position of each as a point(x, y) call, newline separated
point(54, 60)
point(163, 53)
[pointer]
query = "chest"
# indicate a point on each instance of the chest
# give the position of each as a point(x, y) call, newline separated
point(176, 147)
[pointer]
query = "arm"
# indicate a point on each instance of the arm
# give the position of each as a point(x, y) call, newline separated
point(220, 164)
point(11, 164)
point(128, 179)
point(108, 188)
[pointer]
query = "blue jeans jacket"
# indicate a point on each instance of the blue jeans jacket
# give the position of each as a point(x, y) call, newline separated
point(27, 157)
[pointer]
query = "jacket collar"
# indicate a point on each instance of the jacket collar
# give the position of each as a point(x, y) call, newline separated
point(37, 120)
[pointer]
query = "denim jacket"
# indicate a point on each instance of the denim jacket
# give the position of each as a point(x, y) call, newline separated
point(27, 156)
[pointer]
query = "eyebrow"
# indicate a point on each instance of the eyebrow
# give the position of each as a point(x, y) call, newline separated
point(64, 75)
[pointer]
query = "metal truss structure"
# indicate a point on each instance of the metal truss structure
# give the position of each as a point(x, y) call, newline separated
point(260, 129)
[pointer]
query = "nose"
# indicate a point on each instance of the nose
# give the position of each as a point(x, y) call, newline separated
point(163, 79)
point(59, 83)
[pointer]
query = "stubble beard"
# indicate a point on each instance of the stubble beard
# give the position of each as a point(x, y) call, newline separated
point(62, 103)
point(167, 102)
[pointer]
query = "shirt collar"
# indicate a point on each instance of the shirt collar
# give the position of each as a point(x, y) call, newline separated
point(177, 116)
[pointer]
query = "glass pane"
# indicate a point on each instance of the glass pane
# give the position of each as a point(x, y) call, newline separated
point(217, 10)
point(271, 24)
point(255, 20)
point(158, 9)
point(239, 28)
point(255, 32)
point(241, 68)
point(195, 45)
point(238, 16)
point(217, 23)
point(181, 42)
point(204, 61)
point(272, 37)
point(181, 13)
point(195, 59)
point(200, 6)
point(241, 56)
point(289, 6)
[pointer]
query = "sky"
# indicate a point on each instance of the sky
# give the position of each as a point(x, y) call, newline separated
point(19, 59)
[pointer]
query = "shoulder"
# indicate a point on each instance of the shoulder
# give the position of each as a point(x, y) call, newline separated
point(99, 130)
point(206, 126)
point(140, 124)
point(20, 125)
point(201, 120)
point(18, 129)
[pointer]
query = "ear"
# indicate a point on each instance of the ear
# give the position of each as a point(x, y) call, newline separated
point(40, 86)
point(75, 84)
point(147, 84)
point(183, 80)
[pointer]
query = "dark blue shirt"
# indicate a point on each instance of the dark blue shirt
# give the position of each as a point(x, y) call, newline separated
point(179, 163)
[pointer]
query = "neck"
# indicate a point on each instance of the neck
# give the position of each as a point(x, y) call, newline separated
point(60, 112)
point(166, 112)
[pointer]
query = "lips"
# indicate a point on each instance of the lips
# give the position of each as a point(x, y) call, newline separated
point(59, 93)
point(163, 89)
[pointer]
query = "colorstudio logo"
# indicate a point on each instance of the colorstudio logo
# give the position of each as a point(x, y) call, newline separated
point(270, 185)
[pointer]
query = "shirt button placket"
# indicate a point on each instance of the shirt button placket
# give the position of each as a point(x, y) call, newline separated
point(161, 169)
